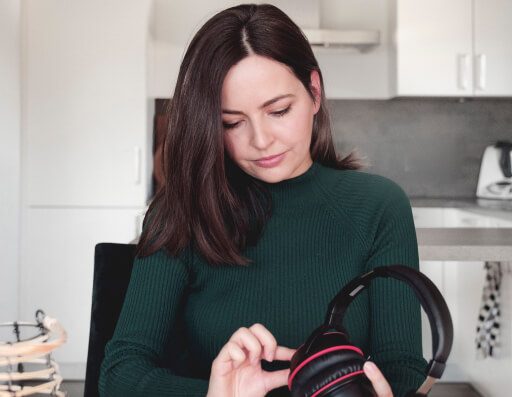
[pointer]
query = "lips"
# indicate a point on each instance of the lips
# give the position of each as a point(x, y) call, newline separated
point(269, 158)
point(269, 162)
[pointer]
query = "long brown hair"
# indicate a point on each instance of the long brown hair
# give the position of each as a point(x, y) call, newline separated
point(207, 202)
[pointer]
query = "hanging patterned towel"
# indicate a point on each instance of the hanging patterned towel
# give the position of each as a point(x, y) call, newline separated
point(488, 326)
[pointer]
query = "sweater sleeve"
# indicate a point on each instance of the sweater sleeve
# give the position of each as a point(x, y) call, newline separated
point(395, 312)
point(134, 358)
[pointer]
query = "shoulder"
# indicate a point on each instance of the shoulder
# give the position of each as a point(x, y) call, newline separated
point(365, 200)
point(363, 191)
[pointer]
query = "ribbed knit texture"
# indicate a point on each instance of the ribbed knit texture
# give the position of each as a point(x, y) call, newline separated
point(328, 226)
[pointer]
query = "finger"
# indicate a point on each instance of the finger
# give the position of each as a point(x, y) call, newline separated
point(245, 338)
point(275, 379)
point(231, 355)
point(231, 351)
point(266, 339)
point(379, 382)
point(284, 353)
point(237, 354)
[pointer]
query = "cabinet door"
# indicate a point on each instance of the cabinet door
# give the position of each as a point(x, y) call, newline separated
point(57, 267)
point(493, 48)
point(434, 47)
point(87, 122)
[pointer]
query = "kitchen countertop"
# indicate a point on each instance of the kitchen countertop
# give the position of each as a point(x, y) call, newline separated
point(463, 202)
point(465, 244)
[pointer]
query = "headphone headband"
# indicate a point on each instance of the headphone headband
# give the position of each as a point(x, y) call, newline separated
point(429, 296)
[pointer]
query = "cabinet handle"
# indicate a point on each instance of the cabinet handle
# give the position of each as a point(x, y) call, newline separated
point(136, 163)
point(480, 74)
point(463, 68)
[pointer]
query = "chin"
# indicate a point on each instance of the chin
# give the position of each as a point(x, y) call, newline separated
point(272, 175)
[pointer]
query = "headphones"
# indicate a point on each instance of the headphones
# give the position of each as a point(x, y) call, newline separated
point(328, 365)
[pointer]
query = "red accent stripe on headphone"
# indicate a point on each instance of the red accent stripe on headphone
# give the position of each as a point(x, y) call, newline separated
point(337, 380)
point(320, 353)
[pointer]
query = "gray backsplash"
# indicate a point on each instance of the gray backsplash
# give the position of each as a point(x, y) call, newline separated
point(432, 147)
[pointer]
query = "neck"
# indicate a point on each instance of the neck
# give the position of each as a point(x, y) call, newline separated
point(293, 193)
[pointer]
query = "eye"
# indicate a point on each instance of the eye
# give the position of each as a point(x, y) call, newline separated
point(282, 112)
point(279, 113)
point(230, 126)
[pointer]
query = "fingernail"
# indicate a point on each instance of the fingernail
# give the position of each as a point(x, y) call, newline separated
point(370, 367)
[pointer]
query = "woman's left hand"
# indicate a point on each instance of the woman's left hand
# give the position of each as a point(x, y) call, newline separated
point(379, 383)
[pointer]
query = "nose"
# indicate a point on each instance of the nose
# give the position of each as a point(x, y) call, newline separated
point(262, 138)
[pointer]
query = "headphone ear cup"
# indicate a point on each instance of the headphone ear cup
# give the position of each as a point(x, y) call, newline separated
point(336, 371)
point(321, 340)
point(330, 363)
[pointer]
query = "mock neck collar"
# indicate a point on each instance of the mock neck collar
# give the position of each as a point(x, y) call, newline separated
point(296, 192)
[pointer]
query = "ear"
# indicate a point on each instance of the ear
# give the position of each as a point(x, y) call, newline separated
point(316, 88)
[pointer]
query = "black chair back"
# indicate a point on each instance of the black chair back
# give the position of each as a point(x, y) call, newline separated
point(113, 264)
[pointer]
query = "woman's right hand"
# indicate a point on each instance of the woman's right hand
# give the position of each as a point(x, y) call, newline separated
point(237, 372)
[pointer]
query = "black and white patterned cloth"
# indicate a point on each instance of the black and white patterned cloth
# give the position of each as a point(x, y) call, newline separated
point(488, 327)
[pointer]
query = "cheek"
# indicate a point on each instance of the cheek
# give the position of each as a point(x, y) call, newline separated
point(298, 128)
point(231, 146)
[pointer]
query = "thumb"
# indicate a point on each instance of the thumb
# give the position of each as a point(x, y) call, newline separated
point(284, 353)
point(379, 382)
point(275, 379)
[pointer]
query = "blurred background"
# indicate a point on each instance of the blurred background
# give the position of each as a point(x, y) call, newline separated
point(421, 88)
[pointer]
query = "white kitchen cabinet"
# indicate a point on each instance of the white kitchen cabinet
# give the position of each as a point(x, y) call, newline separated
point(56, 270)
point(493, 47)
point(87, 122)
point(455, 48)
point(433, 47)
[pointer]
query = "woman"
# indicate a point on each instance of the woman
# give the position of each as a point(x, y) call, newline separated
point(239, 255)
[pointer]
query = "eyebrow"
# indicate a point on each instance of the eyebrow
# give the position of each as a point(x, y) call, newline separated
point(266, 103)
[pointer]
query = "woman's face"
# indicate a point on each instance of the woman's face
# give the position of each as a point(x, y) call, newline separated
point(266, 111)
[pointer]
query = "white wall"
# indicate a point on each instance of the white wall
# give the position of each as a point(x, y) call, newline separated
point(10, 115)
point(84, 97)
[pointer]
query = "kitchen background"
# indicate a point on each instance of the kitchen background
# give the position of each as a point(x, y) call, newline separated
point(432, 146)
point(78, 88)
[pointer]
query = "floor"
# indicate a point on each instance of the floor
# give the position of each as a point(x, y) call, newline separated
point(444, 389)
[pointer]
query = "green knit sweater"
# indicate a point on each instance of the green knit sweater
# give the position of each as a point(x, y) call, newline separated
point(328, 226)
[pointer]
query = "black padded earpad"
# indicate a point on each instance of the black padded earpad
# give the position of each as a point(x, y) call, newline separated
point(317, 374)
point(329, 357)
